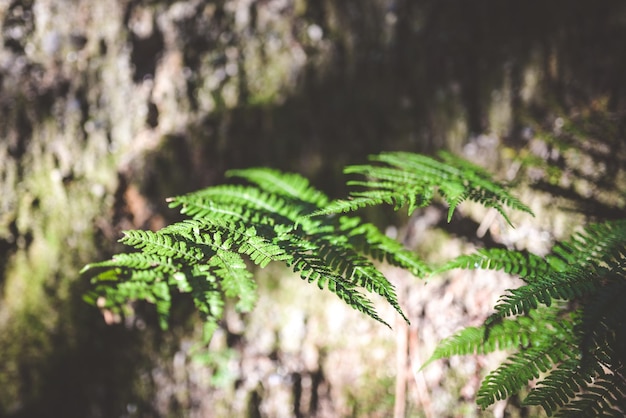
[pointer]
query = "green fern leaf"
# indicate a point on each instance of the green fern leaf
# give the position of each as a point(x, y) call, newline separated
point(521, 368)
point(596, 245)
point(604, 397)
point(256, 242)
point(560, 386)
point(163, 245)
point(520, 332)
point(457, 180)
point(134, 261)
point(527, 266)
point(258, 246)
point(368, 239)
point(603, 325)
point(344, 260)
point(405, 179)
point(564, 286)
point(482, 188)
point(237, 201)
point(153, 291)
point(283, 230)
point(576, 350)
point(285, 184)
point(236, 279)
point(205, 290)
point(314, 270)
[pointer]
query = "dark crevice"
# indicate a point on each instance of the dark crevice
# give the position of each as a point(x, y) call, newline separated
point(17, 25)
point(146, 52)
point(152, 119)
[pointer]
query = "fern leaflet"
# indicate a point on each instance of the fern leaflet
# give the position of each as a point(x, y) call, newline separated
point(406, 179)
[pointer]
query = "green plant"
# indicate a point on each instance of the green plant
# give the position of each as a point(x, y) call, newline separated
point(273, 220)
point(565, 324)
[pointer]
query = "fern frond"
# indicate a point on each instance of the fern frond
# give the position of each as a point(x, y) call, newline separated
point(164, 245)
point(577, 267)
point(406, 179)
point(236, 279)
point(143, 287)
point(285, 184)
point(520, 332)
point(526, 265)
point(347, 253)
point(560, 386)
point(367, 276)
point(314, 270)
point(575, 349)
point(553, 346)
point(596, 245)
point(256, 242)
point(521, 368)
point(270, 221)
point(603, 325)
point(333, 256)
point(483, 189)
point(208, 300)
point(370, 240)
point(364, 199)
point(236, 199)
point(604, 397)
point(131, 261)
point(565, 286)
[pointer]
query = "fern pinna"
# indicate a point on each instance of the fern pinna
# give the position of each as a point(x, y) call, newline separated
point(566, 325)
point(268, 220)
point(412, 180)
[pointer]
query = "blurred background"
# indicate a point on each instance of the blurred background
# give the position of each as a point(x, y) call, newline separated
point(110, 107)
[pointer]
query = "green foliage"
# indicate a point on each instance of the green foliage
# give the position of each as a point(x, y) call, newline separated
point(271, 220)
point(564, 326)
point(406, 179)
